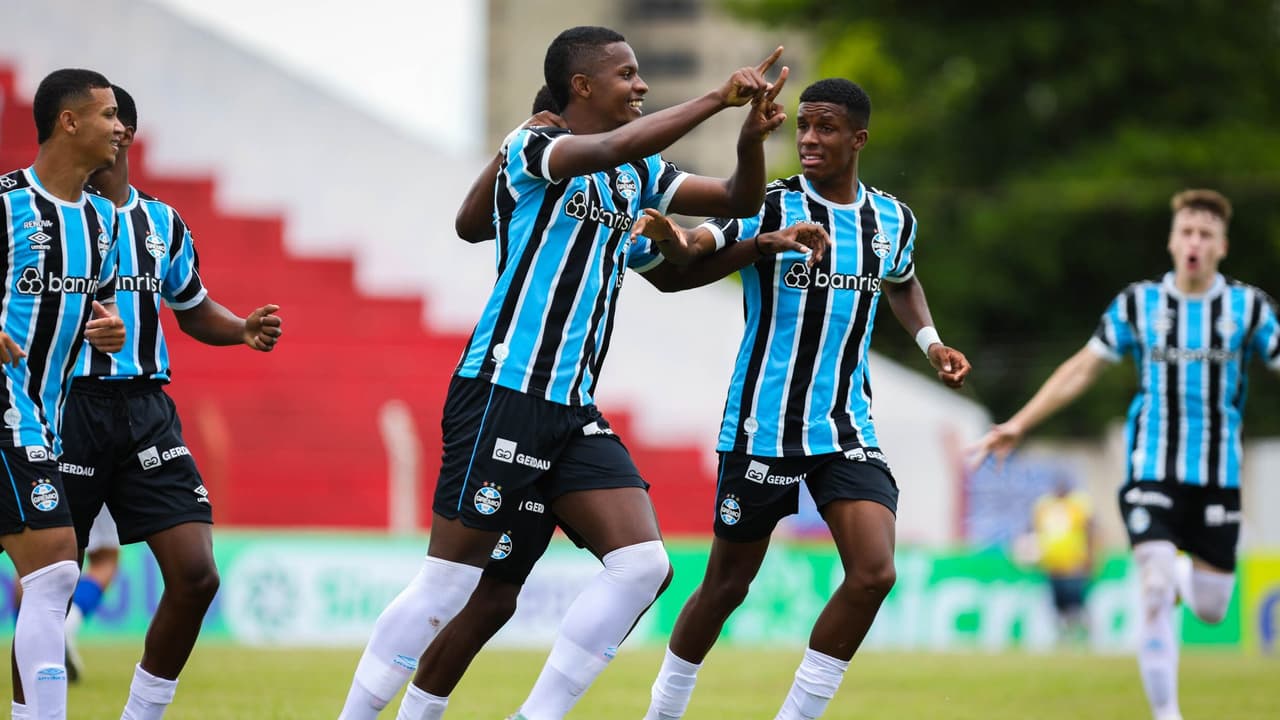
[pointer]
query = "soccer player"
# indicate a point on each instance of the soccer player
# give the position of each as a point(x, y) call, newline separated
point(59, 283)
point(799, 405)
point(1191, 334)
point(141, 469)
point(520, 403)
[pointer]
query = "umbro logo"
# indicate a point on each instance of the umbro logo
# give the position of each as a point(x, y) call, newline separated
point(40, 241)
point(7, 182)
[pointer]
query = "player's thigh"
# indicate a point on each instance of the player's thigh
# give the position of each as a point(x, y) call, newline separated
point(497, 443)
point(35, 520)
point(597, 493)
point(1213, 526)
point(1153, 510)
point(858, 500)
point(753, 493)
point(156, 485)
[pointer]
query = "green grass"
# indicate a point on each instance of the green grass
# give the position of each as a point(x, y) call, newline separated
point(227, 682)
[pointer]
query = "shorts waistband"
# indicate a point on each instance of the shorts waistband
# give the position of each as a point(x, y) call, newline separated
point(131, 387)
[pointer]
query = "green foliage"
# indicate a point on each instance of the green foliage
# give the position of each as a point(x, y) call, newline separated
point(1038, 144)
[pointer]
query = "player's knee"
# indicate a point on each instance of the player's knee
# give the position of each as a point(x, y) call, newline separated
point(197, 584)
point(52, 584)
point(1157, 574)
point(1211, 595)
point(643, 566)
point(495, 607)
point(872, 579)
point(725, 592)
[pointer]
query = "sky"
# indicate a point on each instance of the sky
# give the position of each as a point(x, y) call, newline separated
point(396, 57)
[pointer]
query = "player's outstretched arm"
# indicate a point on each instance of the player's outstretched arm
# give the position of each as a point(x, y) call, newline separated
point(583, 154)
point(1066, 384)
point(809, 238)
point(474, 221)
point(105, 330)
point(741, 194)
point(213, 324)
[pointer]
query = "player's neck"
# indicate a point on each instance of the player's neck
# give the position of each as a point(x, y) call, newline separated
point(840, 191)
point(1189, 284)
point(113, 182)
point(583, 123)
point(59, 172)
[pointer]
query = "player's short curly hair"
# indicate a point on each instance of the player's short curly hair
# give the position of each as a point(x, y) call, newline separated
point(56, 90)
point(1200, 199)
point(544, 102)
point(126, 110)
point(572, 52)
point(846, 93)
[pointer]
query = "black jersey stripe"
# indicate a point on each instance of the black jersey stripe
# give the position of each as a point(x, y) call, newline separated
point(813, 316)
point(766, 269)
point(1173, 381)
point(1214, 394)
point(868, 227)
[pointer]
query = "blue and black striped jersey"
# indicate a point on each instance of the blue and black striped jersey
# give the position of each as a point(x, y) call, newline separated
point(1192, 353)
point(157, 261)
point(561, 254)
point(800, 384)
point(60, 257)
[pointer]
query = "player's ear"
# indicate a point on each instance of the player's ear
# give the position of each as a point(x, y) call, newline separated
point(581, 85)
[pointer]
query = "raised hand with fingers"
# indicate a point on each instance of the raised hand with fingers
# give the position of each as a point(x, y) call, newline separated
point(262, 328)
point(105, 331)
point(748, 83)
point(806, 237)
point(10, 353)
point(674, 242)
point(766, 113)
point(1000, 441)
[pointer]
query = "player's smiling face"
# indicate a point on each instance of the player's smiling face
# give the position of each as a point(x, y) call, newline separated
point(1197, 244)
point(617, 92)
point(827, 141)
point(98, 130)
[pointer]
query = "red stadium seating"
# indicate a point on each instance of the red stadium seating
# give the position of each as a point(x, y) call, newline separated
point(292, 439)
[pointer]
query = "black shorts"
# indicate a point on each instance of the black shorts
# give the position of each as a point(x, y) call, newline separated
point(122, 445)
point(1203, 521)
point(34, 496)
point(499, 443)
point(1068, 591)
point(753, 493)
point(525, 540)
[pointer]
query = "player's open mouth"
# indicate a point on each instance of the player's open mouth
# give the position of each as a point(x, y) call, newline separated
point(636, 105)
point(810, 160)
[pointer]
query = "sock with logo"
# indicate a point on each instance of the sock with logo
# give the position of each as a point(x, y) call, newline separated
point(38, 640)
point(817, 680)
point(594, 625)
point(418, 704)
point(1157, 642)
point(673, 688)
point(149, 696)
point(404, 630)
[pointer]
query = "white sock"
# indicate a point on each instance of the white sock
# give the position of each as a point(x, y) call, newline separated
point(672, 689)
point(149, 696)
point(1157, 643)
point(75, 618)
point(817, 680)
point(1211, 594)
point(18, 711)
point(404, 630)
point(38, 639)
point(418, 704)
point(594, 625)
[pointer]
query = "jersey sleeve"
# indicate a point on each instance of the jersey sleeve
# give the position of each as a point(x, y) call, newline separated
point(182, 288)
point(1115, 335)
point(644, 255)
point(1266, 336)
point(728, 231)
point(528, 155)
point(904, 262)
point(663, 179)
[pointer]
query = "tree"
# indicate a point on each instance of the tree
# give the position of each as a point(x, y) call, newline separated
point(1039, 143)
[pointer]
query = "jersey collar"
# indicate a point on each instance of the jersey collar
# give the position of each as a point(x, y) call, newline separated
point(1219, 282)
point(858, 198)
point(38, 187)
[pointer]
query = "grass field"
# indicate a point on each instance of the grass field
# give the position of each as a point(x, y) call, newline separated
point(226, 683)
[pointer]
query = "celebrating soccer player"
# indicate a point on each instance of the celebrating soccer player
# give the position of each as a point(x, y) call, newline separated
point(1191, 335)
point(519, 412)
point(60, 284)
point(141, 470)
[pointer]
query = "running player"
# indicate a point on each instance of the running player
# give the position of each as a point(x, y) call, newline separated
point(799, 405)
point(141, 469)
point(59, 282)
point(1191, 335)
point(521, 400)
